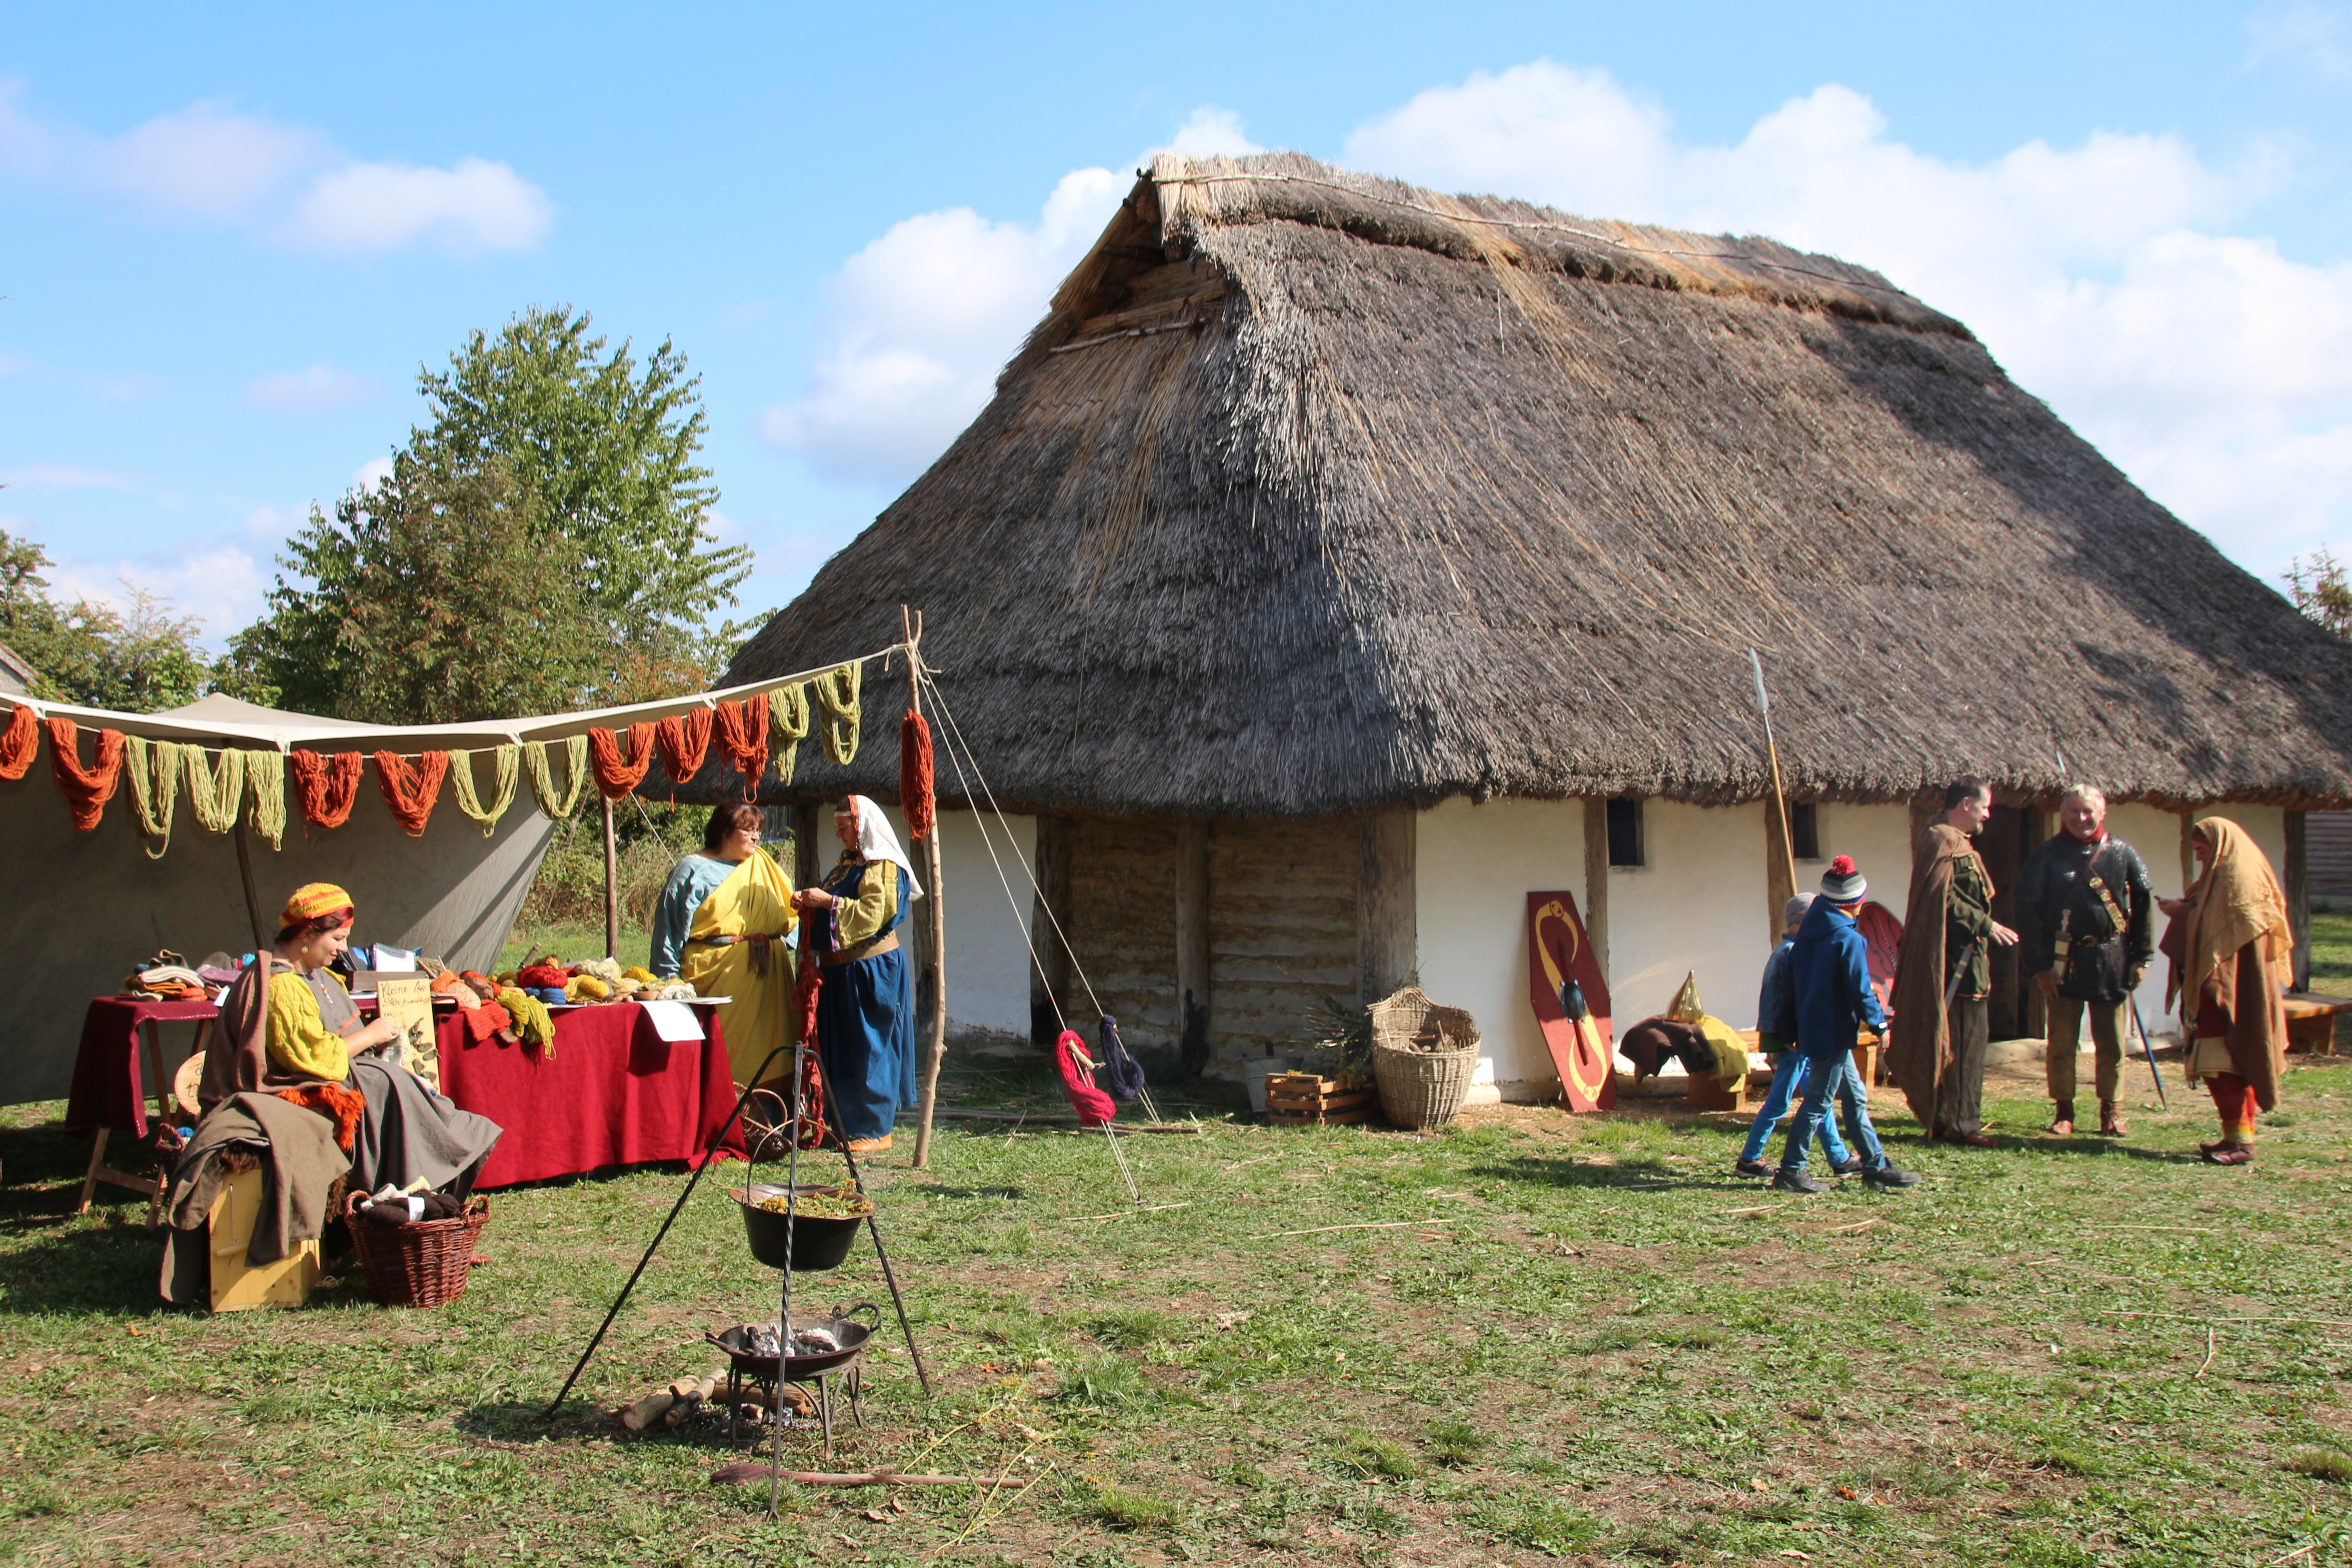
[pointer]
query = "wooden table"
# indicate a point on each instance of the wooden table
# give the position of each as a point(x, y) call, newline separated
point(108, 1096)
point(2311, 1022)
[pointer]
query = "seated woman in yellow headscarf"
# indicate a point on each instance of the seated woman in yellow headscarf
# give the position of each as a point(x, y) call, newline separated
point(722, 925)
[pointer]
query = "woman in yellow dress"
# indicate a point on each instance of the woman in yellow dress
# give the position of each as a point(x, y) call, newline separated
point(722, 926)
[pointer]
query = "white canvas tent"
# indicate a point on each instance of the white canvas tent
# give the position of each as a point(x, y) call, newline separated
point(79, 910)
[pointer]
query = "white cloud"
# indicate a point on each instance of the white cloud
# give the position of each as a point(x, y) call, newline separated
point(372, 473)
point(321, 389)
point(215, 582)
point(923, 318)
point(1208, 129)
point(2215, 371)
point(2309, 35)
point(207, 162)
point(287, 184)
point(475, 207)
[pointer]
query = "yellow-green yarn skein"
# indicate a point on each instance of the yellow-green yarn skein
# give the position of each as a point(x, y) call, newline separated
point(461, 775)
point(265, 780)
point(154, 770)
point(837, 694)
point(554, 806)
point(215, 791)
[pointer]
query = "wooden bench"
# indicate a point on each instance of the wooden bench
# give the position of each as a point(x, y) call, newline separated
point(2311, 1022)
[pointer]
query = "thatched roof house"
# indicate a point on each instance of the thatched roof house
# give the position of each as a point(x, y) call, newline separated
point(1316, 495)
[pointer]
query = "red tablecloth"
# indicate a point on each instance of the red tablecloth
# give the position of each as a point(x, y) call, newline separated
point(615, 1094)
point(107, 1091)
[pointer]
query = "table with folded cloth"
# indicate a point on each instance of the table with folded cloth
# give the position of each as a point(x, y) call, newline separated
point(611, 1092)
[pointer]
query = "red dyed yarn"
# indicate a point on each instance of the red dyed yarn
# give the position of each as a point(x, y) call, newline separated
point(411, 791)
point(743, 737)
point(542, 976)
point(806, 985)
point(616, 778)
point(86, 790)
point(914, 773)
point(1094, 1107)
point(685, 742)
point(18, 742)
point(326, 784)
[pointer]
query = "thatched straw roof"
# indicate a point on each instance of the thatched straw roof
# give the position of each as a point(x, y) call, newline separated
point(1315, 491)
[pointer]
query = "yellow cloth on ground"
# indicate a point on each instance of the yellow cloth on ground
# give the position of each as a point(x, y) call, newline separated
point(1730, 1051)
point(755, 899)
point(300, 1040)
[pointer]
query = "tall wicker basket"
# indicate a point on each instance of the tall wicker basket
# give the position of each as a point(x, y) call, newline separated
point(1424, 1057)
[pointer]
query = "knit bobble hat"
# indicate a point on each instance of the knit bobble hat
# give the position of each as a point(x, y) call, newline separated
point(1842, 883)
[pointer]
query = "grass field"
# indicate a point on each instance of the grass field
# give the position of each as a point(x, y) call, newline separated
point(1568, 1338)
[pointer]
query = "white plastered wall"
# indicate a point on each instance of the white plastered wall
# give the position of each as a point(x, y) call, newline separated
point(1696, 907)
point(987, 933)
point(1473, 867)
point(2156, 834)
point(1879, 839)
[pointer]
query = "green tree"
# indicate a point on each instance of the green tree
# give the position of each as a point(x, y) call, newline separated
point(2321, 591)
point(136, 660)
point(611, 450)
point(436, 597)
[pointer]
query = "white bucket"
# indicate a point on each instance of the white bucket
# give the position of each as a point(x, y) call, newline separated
point(1255, 1075)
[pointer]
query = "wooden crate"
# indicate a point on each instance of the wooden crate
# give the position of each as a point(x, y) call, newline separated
point(1303, 1099)
point(238, 1285)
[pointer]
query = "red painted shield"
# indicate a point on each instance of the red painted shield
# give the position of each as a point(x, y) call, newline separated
point(1558, 953)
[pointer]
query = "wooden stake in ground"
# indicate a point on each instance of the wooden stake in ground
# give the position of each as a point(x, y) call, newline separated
point(935, 916)
point(612, 888)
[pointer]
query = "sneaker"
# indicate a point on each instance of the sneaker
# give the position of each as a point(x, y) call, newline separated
point(1847, 1166)
point(1756, 1168)
point(1882, 1177)
point(1788, 1181)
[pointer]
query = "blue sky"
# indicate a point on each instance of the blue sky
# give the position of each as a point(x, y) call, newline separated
point(227, 242)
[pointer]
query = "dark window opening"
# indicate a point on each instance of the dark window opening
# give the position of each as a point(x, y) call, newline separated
point(1804, 830)
point(1625, 832)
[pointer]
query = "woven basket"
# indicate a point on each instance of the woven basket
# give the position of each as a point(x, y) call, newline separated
point(1424, 1057)
point(420, 1265)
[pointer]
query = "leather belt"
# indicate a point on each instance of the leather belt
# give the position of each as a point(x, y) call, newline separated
point(723, 940)
point(886, 943)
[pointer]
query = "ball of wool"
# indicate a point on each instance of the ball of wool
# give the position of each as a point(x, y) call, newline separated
point(586, 988)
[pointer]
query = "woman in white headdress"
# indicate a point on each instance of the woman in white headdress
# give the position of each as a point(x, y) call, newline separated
point(865, 1008)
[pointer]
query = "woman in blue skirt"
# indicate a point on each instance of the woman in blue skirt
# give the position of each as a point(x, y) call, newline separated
point(865, 1007)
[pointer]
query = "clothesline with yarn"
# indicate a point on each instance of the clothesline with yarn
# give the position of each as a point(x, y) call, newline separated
point(750, 731)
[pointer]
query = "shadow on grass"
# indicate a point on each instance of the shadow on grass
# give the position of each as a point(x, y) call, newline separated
point(110, 1266)
point(1628, 1176)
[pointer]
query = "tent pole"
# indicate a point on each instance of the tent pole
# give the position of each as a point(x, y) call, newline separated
point(935, 916)
point(612, 888)
point(252, 904)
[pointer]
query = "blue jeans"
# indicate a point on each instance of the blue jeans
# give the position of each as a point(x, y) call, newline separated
point(1833, 1076)
point(1789, 1074)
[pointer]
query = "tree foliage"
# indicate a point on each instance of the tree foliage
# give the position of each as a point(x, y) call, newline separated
point(611, 452)
point(542, 544)
point(2321, 591)
point(436, 597)
point(136, 660)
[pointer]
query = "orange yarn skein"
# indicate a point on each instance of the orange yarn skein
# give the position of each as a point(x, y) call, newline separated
point(326, 784)
point(915, 794)
point(18, 742)
point(743, 736)
point(86, 790)
point(616, 778)
point(685, 742)
point(411, 793)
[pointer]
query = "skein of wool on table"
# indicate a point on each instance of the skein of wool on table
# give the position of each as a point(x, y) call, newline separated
point(411, 792)
point(326, 785)
point(743, 737)
point(19, 741)
point(914, 773)
point(615, 777)
point(86, 790)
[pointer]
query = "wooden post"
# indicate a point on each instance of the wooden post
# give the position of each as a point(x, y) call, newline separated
point(935, 956)
point(1047, 988)
point(1596, 879)
point(2297, 884)
point(1779, 871)
point(1388, 946)
point(808, 863)
point(252, 904)
point(612, 885)
point(1193, 944)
